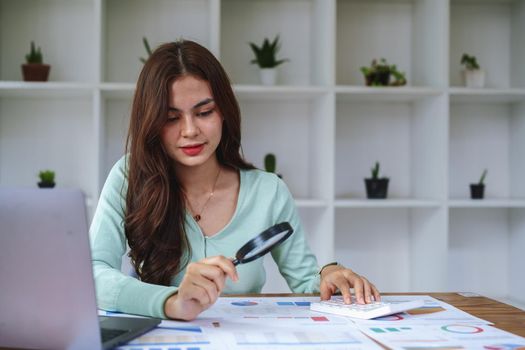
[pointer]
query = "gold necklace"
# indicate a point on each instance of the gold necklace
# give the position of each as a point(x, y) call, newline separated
point(198, 217)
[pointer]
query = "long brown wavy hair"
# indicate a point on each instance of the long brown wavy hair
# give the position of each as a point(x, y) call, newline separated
point(155, 206)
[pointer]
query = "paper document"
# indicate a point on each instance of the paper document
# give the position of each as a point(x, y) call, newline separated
point(287, 322)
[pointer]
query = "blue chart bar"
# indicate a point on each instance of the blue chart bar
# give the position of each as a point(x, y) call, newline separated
point(195, 329)
point(302, 303)
point(244, 303)
point(285, 303)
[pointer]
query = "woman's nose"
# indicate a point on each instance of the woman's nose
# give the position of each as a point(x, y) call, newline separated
point(189, 128)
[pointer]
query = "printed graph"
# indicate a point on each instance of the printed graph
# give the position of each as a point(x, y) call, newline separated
point(462, 329)
point(293, 303)
point(312, 318)
point(389, 329)
point(244, 303)
point(396, 317)
point(295, 338)
point(505, 347)
point(184, 336)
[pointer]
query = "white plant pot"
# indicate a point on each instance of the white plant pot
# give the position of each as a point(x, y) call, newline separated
point(474, 78)
point(268, 76)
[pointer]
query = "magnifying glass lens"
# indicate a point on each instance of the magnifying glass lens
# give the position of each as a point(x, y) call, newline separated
point(266, 245)
point(263, 243)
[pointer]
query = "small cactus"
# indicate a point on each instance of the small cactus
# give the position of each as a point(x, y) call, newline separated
point(270, 163)
point(35, 55)
point(482, 178)
point(375, 171)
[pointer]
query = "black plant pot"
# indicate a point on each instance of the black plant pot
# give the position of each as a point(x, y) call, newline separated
point(46, 184)
point(477, 191)
point(378, 78)
point(376, 188)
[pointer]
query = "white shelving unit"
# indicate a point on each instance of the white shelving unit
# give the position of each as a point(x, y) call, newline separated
point(432, 137)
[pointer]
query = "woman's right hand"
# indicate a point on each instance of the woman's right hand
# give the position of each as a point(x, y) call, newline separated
point(201, 286)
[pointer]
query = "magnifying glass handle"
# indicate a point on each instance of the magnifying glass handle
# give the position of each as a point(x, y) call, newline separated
point(236, 262)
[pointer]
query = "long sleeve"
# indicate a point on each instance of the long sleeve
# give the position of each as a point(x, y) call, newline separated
point(115, 290)
point(294, 258)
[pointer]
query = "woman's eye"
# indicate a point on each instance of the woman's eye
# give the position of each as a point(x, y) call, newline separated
point(205, 113)
point(173, 118)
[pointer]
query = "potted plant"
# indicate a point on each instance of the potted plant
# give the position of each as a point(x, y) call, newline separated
point(34, 69)
point(376, 187)
point(473, 76)
point(266, 59)
point(380, 74)
point(47, 179)
point(477, 189)
point(147, 47)
point(270, 163)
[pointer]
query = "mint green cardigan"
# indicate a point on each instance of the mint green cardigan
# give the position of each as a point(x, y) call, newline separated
point(263, 201)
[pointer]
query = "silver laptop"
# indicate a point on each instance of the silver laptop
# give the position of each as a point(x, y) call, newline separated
point(47, 293)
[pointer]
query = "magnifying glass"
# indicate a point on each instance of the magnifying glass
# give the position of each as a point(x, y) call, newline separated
point(263, 243)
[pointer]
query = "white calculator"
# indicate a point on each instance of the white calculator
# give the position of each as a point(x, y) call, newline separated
point(337, 306)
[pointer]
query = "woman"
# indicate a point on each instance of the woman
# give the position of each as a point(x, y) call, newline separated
point(184, 200)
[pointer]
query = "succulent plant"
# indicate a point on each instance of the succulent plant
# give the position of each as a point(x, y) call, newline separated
point(375, 171)
point(35, 55)
point(148, 49)
point(469, 62)
point(47, 176)
point(266, 54)
point(270, 163)
point(482, 178)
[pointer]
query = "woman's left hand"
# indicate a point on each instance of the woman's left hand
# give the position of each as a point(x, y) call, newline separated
point(338, 277)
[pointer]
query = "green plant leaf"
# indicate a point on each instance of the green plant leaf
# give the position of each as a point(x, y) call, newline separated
point(265, 55)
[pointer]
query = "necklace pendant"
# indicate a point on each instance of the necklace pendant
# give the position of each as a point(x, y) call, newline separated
point(197, 217)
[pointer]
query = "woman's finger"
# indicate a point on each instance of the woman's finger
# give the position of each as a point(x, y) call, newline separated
point(326, 290)
point(367, 290)
point(225, 264)
point(375, 292)
point(357, 283)
point(209, 287)
point(344, 287)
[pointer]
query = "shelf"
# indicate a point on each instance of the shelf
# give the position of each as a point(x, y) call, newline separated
point(493, 32)
point(394, 94)
point(432, 137)
point(486, 203)
point(387, 203)
point(160, 21)
point(44, 89)
point(486, 136)
point(304, 35)
point(282, 92)
point(63, 29)
point(117, 90)
point(469, 95)
point(478, 244)
point(310, 203)
point(364, 31)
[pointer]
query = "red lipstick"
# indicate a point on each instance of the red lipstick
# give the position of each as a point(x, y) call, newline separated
point(192, 150)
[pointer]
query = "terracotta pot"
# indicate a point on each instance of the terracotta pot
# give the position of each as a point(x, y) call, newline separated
point(35, 71)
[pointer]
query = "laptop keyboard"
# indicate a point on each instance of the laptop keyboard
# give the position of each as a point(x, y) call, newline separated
point(108, 334)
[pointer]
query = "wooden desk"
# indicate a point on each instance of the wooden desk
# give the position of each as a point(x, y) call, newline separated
point(503, 316)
